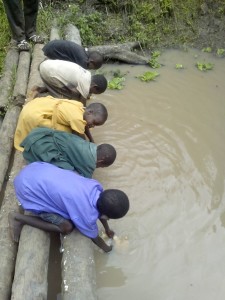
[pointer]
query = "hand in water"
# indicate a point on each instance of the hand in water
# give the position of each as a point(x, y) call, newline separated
point(110, 233)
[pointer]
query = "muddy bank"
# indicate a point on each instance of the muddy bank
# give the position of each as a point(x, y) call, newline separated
point(155, 24)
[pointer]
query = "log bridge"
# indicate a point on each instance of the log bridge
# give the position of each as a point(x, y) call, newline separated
point(24, 266)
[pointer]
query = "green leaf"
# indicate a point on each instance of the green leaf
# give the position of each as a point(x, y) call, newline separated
point(179, 66)
point(117, 83)
point(202, 66)
point(148, 76)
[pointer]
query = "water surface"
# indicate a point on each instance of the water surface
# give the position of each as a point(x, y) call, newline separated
point(170, 139)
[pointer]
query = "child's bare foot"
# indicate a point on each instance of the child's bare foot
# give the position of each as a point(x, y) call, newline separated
point(15, 227)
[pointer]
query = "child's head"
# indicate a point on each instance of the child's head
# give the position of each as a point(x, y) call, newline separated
point(95, 114)
point(98, 84)
point(113, 204)
point(95, 60)
point(106, 155)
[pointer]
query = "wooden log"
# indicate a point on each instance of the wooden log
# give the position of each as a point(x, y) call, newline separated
point(6, 140)
point(78, 268)
point(35, 78)
point(72, 34)
point(54, 34)
point(39, 242)
point(106, 49)
point(20, 88)
point(8, 248)
point(30, 280)
point(121, 52)
point(6, 82)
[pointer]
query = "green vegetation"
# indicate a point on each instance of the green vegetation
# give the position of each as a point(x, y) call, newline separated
point(4, 37)
point(154, 23)
point(148, 76)
point(202, 66)
point(117, 82)
point(220, 52)
point(179, 66)
point(207, 49)
point(153, 62)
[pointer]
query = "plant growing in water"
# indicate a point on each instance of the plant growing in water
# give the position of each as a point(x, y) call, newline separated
point(148, 76)
point(220, 52)
point(207, 49)
point(179, 66)
point(153, 62)
point(117, 82)
point(202, 66)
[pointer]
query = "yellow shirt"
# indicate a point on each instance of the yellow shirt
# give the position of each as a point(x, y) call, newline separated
point(60, 114)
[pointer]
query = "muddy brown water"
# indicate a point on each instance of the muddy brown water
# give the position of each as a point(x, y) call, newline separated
point(170, 141)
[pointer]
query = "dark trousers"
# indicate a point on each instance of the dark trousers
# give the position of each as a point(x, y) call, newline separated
point(21, 18)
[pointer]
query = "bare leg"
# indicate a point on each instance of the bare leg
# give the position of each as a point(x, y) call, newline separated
point(17, 220)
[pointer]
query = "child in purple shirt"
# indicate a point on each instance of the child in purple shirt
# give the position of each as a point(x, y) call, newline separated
point(62, 199)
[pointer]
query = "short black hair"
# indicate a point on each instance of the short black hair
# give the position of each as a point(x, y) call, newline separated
point(96, 59)
point(100, 81)
point(107, 153)
point(98, 109)
point(113, 203)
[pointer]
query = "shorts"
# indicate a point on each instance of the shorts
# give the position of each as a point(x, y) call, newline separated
point(52, 218)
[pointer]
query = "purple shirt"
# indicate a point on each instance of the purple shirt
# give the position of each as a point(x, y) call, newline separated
point(42, 187)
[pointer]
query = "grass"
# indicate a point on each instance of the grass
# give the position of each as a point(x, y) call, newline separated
point(153, 23)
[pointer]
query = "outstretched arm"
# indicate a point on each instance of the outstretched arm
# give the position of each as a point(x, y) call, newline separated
point(108, 231)
point(101, 244)
point(88, 134)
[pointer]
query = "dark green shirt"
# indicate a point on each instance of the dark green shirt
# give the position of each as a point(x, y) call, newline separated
point(65, 150)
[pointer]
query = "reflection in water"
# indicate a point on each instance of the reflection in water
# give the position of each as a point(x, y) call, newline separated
point(169, 135)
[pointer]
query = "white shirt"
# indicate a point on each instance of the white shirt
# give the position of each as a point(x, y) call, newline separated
point(60, 73)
